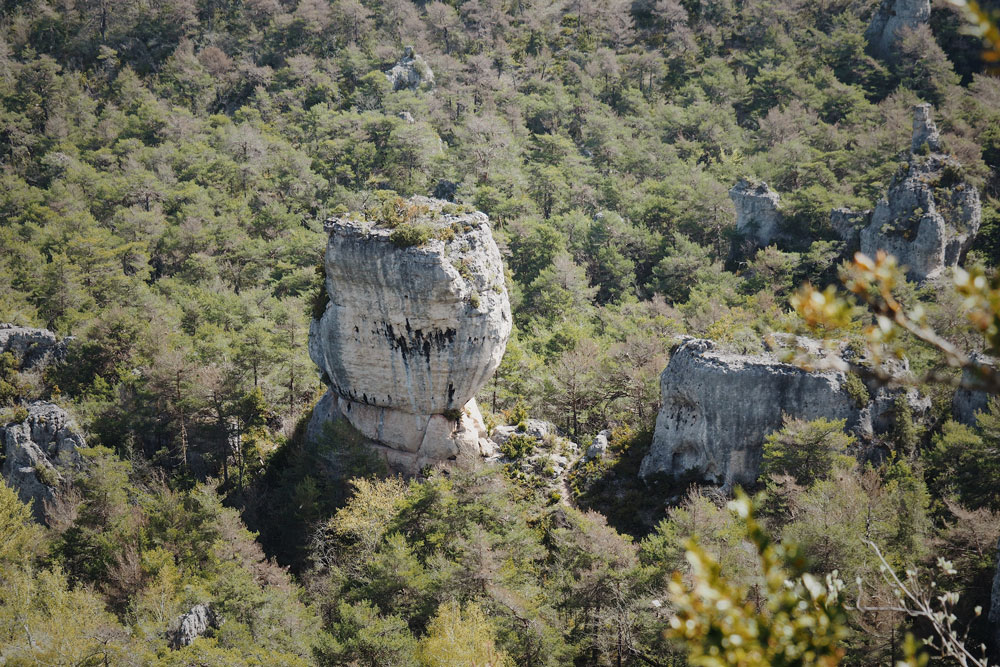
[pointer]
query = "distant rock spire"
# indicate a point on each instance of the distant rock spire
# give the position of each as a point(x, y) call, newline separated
point(924, 129)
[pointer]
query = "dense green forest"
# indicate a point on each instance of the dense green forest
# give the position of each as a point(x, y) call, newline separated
point(167, 166)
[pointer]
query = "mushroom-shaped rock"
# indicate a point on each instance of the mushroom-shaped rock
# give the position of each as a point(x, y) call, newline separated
point(707, 429)
point(757, 214)
point(417, 321)
point(930, 215)
point(889, 20)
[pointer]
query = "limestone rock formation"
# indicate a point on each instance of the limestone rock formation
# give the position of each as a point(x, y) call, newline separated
point(533, 428)
point(34, 347)
point(410, 72)
point(889, 20)
point(930, 215)
point(192, 624)
point(411, 332)
point(38, 451)
point(757, 211)
point(924, 130)
point(847, 224)
point(717, 408)
point(599, 447)
point(967, 401)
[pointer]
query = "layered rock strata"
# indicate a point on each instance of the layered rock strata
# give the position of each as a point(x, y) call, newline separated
point(717, 408)
point(411, 332)
point(889, 21)
point(757, 211)
point(930, 215)
point(38, 452)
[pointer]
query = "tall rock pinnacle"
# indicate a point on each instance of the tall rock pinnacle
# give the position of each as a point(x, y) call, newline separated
point(417, 321)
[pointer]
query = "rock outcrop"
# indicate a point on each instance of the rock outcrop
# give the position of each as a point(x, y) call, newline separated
point(542, 455)
point(757, 211)
point(38, 451)
point(888, 22)
point(717, 408)
point(924, 130)
point(847, 224)
point(930, 215)
point(33, 347)
point(191, 625)
point(967, 400)
point(599, 447)
point(410, 72)
point(411, 332)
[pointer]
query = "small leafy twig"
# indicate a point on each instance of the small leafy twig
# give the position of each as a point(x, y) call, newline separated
point(917, 601)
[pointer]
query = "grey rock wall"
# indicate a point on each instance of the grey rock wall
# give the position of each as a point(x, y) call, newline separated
point(968, 401)
point(718, 407)
point(757, 211)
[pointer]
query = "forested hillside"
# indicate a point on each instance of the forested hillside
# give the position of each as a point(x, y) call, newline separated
point(167, 167)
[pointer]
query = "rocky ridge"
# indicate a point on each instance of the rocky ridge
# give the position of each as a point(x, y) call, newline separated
point(708, 430)
point(411, 331)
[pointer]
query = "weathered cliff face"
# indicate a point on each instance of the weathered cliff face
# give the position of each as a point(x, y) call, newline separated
point(718, 407)
point(410, 72)
point(967, 402)
point(38, 452)
point(757, 214)
point(930, 215)
point(411, 333)
point(889, 20)
point(34, 347)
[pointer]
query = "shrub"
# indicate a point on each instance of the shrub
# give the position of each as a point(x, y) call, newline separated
point(518, 446)
point(856, 390)
point(405, 236)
